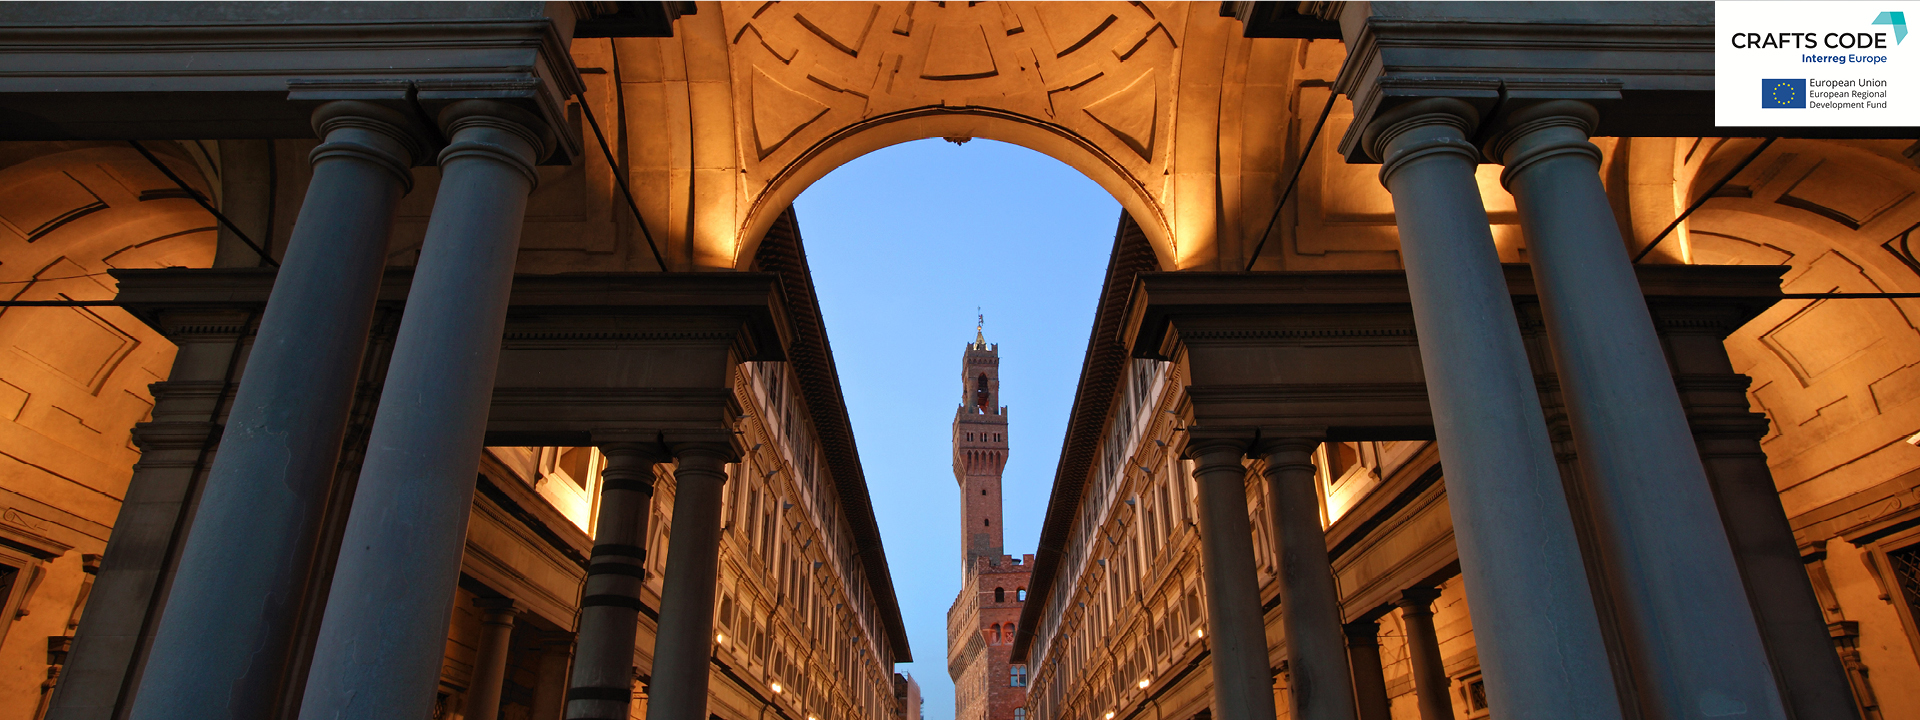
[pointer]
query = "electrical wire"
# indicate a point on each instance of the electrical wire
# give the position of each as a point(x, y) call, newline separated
point(1295, 180)
point(620, 176)
point(164, 170)
point(1704, 197)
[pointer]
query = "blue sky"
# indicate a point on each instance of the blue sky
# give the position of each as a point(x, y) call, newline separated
point(904, 243)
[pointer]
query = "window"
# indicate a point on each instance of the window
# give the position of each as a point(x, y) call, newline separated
point(1019, 679)
point(1473, 695)
point(1166, 516)
point(1896, 564)
point(1020, 595)
point(1019, 714)
point(999, 595)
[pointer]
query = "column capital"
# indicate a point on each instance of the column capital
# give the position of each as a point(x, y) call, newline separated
point(1539, 131)
point(498, 131)
point(1416, 600)
point(638, 452)
point(1361, 632)
point(1215, 442)
point(725, 452)
point(1419, 129)
point(372, 132)
point(1294, 440)
point(630, 465)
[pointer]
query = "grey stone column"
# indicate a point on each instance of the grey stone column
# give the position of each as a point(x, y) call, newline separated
point(1369, 676)
point(1236, 626)
point(131, 586)
point(1423, 653)
point(385, 628)
point(683, 646)
point(490, 657)
point(1309, 604)
point(222, 646)
point(602, 684)
point(1539, 636)
point(1690, 634)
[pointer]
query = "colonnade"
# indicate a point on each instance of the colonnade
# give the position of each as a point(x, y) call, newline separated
point(1691, 640)
point(1679, 601)
point(1429, 674)
point(226, 641)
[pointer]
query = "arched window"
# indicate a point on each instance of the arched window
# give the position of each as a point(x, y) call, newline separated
point(993, 634)
point(1020, 594)
point(1019, 714)
point(1019, 676)
point(980, 392)
point(999, 594)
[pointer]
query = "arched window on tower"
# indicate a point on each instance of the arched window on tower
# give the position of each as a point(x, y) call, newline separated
point(980, 393)
point(999, 594)
point(1020, 594)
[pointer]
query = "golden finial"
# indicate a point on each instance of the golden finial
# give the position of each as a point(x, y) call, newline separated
point(980, 329)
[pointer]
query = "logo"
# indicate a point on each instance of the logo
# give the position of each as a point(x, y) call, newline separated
point(1775, 93)
point(1899, 22)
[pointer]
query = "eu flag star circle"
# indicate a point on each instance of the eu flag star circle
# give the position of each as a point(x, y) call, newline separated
point(1783, 93)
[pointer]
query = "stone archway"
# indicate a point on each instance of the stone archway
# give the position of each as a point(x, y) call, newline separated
point(747, 105)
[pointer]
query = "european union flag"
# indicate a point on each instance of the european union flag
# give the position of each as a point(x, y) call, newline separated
point(1783, 93)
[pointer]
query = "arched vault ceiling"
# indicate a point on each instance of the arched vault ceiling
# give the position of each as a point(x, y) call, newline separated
point(778, 94)
point(1839, 379)
point(73, 381)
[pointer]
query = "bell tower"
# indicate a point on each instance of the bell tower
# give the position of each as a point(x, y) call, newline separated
point(980, 448)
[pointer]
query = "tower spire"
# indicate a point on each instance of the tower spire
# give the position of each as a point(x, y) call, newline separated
point(980, 328)
point(980, 449)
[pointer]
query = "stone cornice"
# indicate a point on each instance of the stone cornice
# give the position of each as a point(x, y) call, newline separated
point(108, 75)
point(811, 357)
point(1649, 66)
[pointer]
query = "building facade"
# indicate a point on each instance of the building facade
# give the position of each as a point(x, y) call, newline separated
point(1322, 432)
point(993, 589)
point(347, 326)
